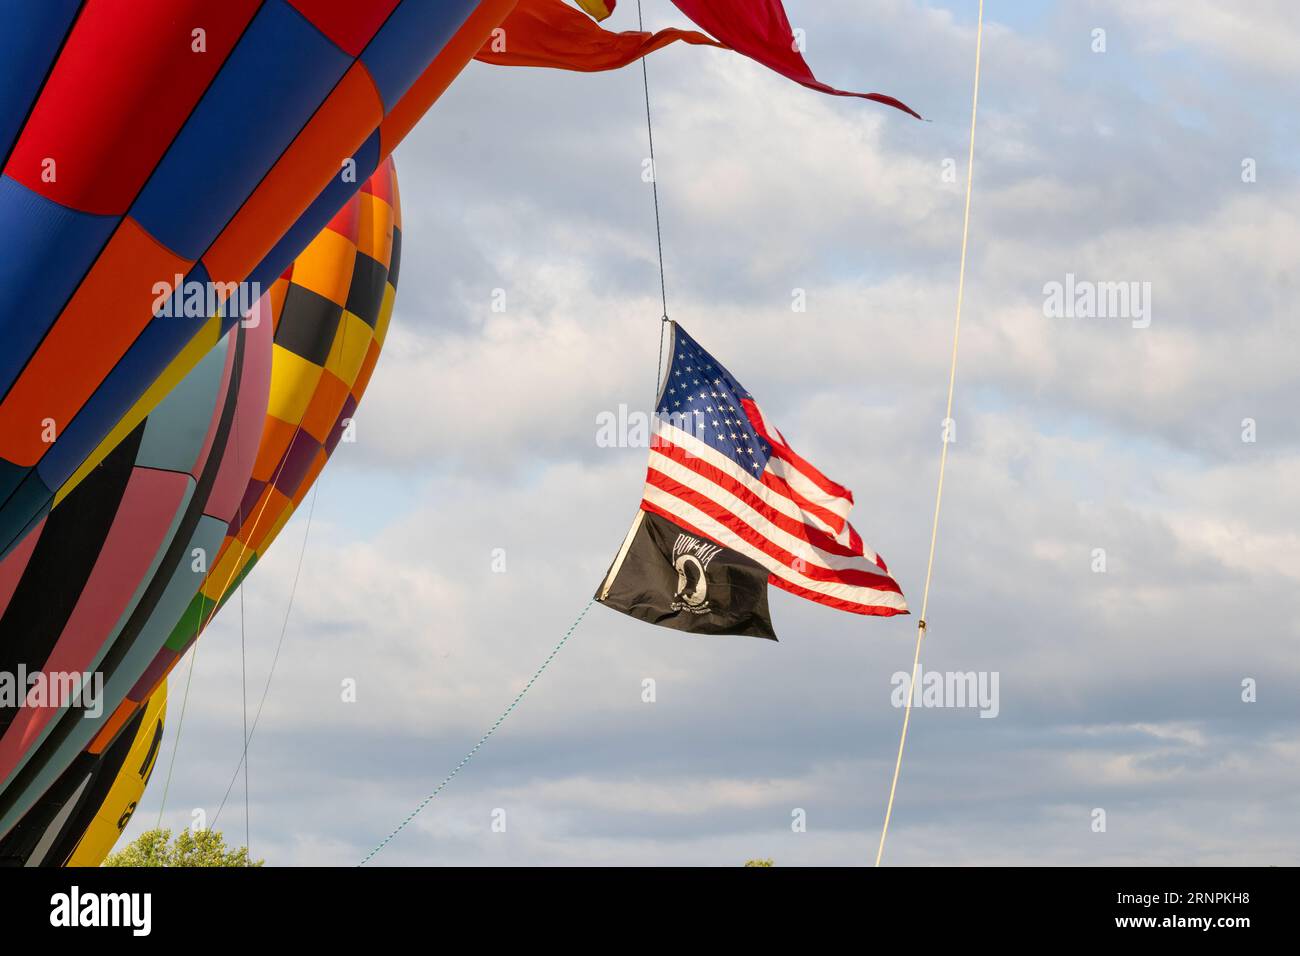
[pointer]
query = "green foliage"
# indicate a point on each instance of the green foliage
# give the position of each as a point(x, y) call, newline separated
point(190, 848)
point(767, 862)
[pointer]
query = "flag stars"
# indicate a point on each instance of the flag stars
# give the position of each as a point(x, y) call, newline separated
point(701, 387)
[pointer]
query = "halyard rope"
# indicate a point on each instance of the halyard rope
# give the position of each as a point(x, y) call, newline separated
point(654, 187)
point(654, 173)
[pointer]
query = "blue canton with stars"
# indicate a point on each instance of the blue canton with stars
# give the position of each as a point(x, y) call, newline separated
point(704, 399)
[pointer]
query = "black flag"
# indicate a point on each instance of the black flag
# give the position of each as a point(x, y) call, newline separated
point(668, 576)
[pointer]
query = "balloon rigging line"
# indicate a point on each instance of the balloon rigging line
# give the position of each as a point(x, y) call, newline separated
point(216, 606)
point(284, 626)
point(484, 739)
point(243, 691)
point(180, 723)
point(217, 602)
point(943, 455)
point(202, 623)
point(243, 680)
point(248, 735)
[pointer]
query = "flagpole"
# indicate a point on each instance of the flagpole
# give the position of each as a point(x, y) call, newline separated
point(943, 455)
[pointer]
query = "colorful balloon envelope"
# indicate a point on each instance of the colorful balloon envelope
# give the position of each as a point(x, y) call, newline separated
point(305, 356)
point(79, 820)
point(331, 309)
point(155, 145)
point(94, 588)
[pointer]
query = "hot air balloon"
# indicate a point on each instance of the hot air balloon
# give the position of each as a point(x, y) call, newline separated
point(312, 345)
point(176, 142)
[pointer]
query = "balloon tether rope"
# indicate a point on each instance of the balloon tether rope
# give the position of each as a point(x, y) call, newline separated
point(943, 455)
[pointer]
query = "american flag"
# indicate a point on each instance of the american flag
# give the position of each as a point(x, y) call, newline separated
point(721, 470)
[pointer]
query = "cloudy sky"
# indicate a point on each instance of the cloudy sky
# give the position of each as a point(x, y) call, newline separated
point(1119, 690)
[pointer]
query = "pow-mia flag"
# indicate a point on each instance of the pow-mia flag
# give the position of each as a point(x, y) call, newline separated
point(668, 576)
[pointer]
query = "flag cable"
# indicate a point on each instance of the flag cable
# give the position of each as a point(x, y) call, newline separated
point(943, 455)
point(654, 171)
point(654, 188)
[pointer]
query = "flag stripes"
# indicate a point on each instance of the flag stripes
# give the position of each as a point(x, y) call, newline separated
point(791, 519)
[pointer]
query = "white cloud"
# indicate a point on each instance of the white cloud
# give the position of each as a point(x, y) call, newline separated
point(1262, 35)
point(479, 433)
